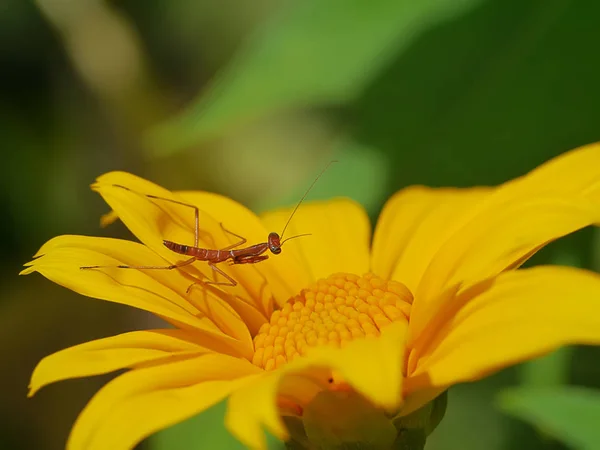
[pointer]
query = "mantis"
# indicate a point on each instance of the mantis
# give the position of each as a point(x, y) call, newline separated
point(246, 255)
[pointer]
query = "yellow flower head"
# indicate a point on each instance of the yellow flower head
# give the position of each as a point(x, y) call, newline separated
point(433, 299)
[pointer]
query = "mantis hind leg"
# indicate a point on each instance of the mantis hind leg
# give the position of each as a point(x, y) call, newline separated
point(177, 202)
point(122, 266)
point(230, 281)
point(242, 241)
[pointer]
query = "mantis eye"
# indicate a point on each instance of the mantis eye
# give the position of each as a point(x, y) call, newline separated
point(274, 243)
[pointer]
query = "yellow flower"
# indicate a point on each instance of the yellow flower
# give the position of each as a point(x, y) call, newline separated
point(433, 301)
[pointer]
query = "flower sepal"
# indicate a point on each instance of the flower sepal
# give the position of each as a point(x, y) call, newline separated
point(426, 418)
point(343, 419)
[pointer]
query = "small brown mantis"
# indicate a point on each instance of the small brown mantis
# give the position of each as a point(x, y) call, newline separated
point(247, 255)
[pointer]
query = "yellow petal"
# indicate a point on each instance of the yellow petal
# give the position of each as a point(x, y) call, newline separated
point(143, 401)
point(517, 316)
point(494, 242)
point(168, 284)
point(117, 352)
point(108, 218)
point(372, 366)
point(159, 292)
point(339, 241)
point(154, 220)
point(412, 227)
point(575, 172)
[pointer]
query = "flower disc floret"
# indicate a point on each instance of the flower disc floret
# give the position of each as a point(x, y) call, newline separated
point(332, 311)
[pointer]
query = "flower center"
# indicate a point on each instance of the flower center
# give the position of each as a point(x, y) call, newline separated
point(332, 311)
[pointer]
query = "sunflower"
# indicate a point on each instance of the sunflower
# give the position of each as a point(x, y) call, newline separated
point(341, 333)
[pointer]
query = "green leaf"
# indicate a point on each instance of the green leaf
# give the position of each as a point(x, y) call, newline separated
point(205, 430)
point(314, 52)
point(548, 370)
point(570, 414)
point(489, 96)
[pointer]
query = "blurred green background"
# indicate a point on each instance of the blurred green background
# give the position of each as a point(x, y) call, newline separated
point(251, 99)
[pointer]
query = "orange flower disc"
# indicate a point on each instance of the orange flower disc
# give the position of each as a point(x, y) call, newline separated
point(332, 311)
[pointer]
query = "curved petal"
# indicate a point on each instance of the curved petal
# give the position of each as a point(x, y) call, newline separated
point(339, 240)
point(576, 172)
point(158, 292)
point(515, 317)
point(153, 220)
point(113, 353)
point(168, 284)
point(143, 401)
point(372, 366)
point(499, 240)
point(414, 224)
